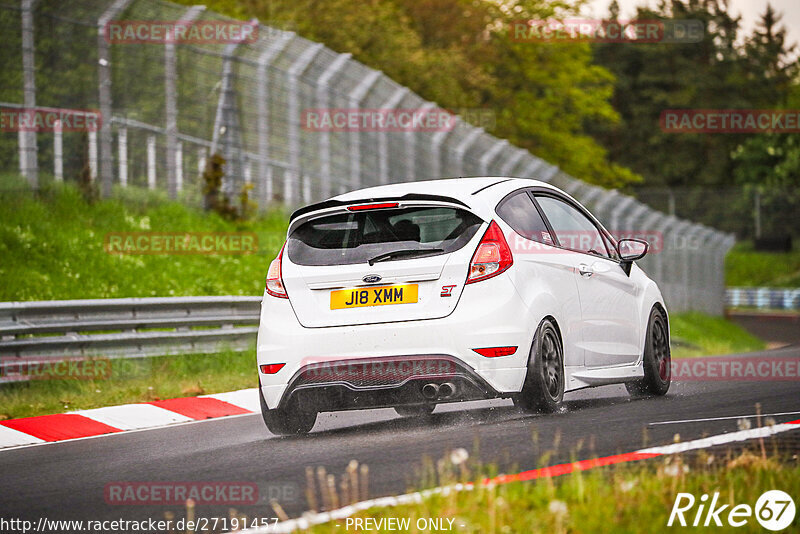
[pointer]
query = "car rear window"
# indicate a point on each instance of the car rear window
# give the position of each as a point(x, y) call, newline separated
point(349, 238)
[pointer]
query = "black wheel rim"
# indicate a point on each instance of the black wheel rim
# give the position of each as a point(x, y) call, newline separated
point(551, 364)
point(660, 347)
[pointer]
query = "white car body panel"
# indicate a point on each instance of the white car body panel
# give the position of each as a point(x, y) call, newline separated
point(602, 318)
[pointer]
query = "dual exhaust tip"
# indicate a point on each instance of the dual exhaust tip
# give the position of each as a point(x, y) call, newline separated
point(438, 391)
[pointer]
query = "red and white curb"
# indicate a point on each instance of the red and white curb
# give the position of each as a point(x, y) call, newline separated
point(310, 519)
point(113, 419)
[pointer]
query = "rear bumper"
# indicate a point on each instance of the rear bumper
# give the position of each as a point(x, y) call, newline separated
point(489, 314)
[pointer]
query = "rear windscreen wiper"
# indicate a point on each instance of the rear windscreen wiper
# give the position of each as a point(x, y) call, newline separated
point(405, 252)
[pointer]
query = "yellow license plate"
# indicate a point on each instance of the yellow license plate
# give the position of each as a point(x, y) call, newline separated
point(373, 296)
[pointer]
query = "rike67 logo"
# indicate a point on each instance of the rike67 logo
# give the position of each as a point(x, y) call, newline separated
point(774, 510)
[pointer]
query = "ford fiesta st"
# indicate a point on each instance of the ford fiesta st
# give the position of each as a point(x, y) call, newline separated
point(411, 295)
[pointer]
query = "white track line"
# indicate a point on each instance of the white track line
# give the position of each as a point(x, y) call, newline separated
point(720, 418)
point(310, 519)
point(134, 416)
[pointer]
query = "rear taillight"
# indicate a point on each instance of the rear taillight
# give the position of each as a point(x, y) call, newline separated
point(275, 285)
point(271, 368)
point(492, 257)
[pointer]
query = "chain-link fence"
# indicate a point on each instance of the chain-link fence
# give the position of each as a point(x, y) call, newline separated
point(166, 106)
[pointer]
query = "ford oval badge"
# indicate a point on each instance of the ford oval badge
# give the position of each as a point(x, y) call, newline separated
point(372, 278)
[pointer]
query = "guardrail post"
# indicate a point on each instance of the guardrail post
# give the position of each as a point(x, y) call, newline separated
point(293, 115)
point(104, 96)
point(170, 105)
point(356, 96)
point(323, 101)
point(265, 189)
point(28, 149)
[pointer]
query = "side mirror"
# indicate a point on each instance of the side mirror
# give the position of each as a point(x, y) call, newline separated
point(630, 250)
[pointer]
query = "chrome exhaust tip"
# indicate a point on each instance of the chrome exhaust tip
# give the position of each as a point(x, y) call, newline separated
point(447, 390)
point(430, 391)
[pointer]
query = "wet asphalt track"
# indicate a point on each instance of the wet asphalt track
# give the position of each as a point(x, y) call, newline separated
point(66, 480)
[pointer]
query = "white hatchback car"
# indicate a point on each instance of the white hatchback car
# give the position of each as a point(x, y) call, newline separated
point(415, 294)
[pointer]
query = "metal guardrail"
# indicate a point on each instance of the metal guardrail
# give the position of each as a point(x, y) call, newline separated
point(763, 298)
point(127, 328)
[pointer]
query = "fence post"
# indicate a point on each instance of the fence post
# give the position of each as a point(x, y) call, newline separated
point(58, 152)
point(461, 148)
point(532, 167)
point(151, 161)
point(202, 155)
point(122, 155)
point(411, 145)
point(264, 61)
point(383, 137)
point(293, 120)
point(226, 125)
point(512, 162)
point(179, 166)
point(93, 156)
point(549, 173)
point(437, 140)
point(28, 149)
point(104, 95)
point(323, 101)
point(490, 154)
point(171, 107)
point(356, 96)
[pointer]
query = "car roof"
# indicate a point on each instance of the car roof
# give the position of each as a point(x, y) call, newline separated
point(472, 191)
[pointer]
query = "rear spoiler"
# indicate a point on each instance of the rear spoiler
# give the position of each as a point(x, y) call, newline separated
point(408, 197)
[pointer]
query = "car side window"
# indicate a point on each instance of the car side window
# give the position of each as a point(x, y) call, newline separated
point(520, 213)
point(573, 229)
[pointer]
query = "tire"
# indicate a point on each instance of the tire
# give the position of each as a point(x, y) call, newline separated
point(416, 410)
point(287, 421)
point(543, 390)
point(657, 360)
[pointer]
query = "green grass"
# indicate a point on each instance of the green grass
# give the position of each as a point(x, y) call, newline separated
point(696, 334)
point(135, 380)
point(744, 267)
point(626, 498)
point(52, 247)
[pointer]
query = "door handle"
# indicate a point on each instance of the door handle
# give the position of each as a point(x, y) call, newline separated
point(585, 270)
